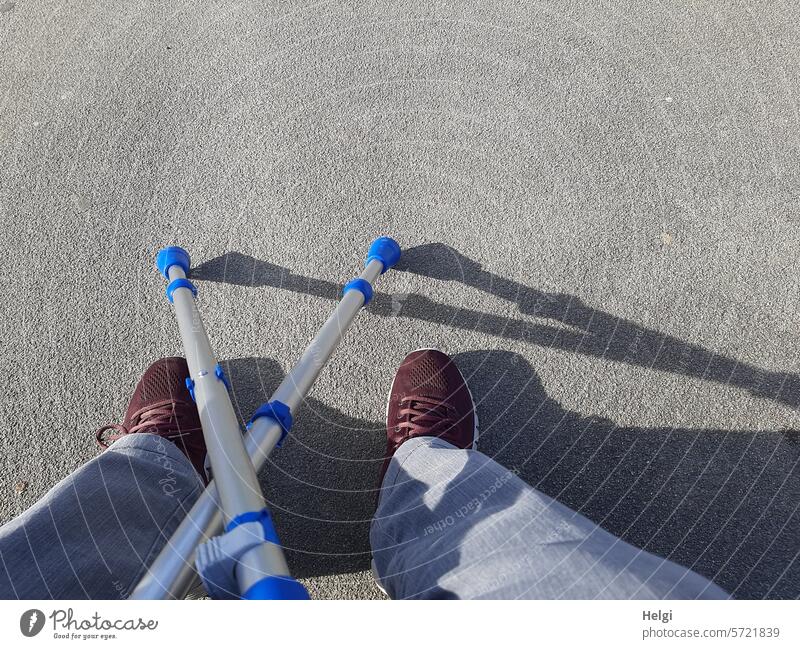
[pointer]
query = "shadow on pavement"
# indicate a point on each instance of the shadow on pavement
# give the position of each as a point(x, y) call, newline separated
point(322, 484)
point(722, 502)
point(576, 327)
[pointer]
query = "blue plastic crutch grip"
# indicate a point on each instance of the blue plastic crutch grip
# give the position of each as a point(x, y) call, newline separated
point(276, 588)
point(173, 256)
point(386, 250)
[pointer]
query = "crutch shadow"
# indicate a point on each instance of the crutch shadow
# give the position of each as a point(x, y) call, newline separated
point(574, 326)
point(724, 503)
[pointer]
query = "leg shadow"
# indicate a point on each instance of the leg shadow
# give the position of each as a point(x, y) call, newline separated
point(576, 327)
point(322, 484)
point(722, 502)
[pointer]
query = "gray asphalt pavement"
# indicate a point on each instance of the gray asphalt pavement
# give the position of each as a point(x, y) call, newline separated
point(600, 202)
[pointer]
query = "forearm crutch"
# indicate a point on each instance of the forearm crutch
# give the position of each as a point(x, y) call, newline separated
point(246, 560)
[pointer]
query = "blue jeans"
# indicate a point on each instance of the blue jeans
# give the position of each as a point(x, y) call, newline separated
point(454, 523)
point(450, 523)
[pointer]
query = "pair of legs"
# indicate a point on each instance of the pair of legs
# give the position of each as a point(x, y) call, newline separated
point(450, 522)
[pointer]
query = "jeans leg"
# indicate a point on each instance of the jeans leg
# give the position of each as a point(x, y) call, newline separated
point(95, 532)
point(453, 523)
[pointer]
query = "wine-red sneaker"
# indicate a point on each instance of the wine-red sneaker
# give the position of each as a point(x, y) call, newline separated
point(429, 398)
point(161, 405)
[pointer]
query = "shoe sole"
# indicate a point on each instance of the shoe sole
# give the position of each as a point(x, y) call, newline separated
point(474, 447)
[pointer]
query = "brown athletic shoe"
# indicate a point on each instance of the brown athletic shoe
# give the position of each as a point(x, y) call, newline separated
point(162, 405)
point(429, 398)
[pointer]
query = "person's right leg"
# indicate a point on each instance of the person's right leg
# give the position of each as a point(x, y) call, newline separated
point(95, 532)
point(451, 522)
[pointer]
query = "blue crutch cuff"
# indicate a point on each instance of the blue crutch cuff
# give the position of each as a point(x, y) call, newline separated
point(360, 285)
point(277, 411)
point(181, 282)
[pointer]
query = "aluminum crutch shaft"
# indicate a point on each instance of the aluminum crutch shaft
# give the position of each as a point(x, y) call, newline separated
point(249, 557)
point(172, 574)
point(237, 485)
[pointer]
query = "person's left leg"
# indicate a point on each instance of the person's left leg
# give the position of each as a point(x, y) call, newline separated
point(96, 531)
point(453, 523)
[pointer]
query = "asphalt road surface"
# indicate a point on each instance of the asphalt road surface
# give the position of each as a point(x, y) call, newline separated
point(600, 203)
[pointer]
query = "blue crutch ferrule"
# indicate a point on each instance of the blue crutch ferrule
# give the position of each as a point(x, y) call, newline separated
point(181, 282)
point(277, 411)
point(276, 588)
point(173, 256)
point(386, 250)
point(360, 285)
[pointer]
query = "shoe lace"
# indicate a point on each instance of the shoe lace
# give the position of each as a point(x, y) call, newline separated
point(421, 414)
point(162, 417)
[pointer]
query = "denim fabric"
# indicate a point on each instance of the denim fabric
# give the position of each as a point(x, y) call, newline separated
point(450, 524)
point(93, 534)
point(453, 523)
